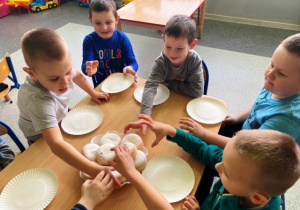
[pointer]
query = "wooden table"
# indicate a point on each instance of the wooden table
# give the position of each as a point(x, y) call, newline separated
point(118, 111)
point(156, 13)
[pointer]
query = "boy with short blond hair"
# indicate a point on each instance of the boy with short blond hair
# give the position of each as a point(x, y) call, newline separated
point(178, 67)
point(106, 50)
point(43, 99)
point(277, 105)
point(252, 167)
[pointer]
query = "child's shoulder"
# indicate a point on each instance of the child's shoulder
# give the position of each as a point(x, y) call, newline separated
point(120, 36)
point(194, 54)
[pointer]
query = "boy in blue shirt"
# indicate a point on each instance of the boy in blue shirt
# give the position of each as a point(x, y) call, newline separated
point(277, 105)
point(252, 166)
point(106, 50)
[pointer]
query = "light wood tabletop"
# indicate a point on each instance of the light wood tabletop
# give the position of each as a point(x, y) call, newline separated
point(118, 111)
point(156, 13)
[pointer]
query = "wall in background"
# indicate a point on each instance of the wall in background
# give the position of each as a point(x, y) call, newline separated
point(278, 11)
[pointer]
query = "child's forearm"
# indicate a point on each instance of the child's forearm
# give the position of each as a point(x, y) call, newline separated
point(242, 116)
point(68, 153)
point(215, 139)
point(82, 82)
point(152, 198)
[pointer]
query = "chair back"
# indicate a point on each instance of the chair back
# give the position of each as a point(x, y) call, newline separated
point(5, 129)
point(7, 71)
point(4, 69)
point(206, 77)
point(282, 202)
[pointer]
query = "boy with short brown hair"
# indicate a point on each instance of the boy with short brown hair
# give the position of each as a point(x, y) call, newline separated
point(106, 50)
point(43, 99)
point(252, 167)
point(178, 67)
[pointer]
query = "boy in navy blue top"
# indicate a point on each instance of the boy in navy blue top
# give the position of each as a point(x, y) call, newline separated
point(255, 167)
point(106, 50)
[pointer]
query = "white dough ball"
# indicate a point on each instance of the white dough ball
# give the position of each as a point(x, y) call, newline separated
point(110, 138)
point(132, 148)
point(140, 160)
point(104, 154)
point(89, 151)
point(133, 138)
point(119, 176)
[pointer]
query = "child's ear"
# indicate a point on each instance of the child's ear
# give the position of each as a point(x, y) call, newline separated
point(193, 44)
point(117, 19)
point(30, 72)
point(163, 37)
point(90, 18)
point(259, 199)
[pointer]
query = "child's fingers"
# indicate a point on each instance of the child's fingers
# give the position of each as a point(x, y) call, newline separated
point(97, 100)
point(145, 117)
point(144, 128)
point(105, 96)
point(95, 64)
point(116, 183)
point(100, 176)
point(135, 78)
point(124, 72)
point(87, 183)
point(88, 63)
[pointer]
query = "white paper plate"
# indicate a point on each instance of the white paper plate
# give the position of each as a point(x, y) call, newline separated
point(82, 120)
point(30, 190)
point(117, 83)
point(207, 110)
point(171, 175)
point(161, 96)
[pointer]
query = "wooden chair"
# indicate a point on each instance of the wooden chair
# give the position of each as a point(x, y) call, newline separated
point(7, 71)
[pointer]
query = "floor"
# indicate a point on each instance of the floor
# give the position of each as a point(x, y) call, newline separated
point(236, 56)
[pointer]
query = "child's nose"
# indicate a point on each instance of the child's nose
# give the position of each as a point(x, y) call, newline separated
point(65, 81)
point(271, 74)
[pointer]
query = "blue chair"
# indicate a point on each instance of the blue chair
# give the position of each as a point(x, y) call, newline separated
point(282, 202)
point(5, 129)
point(206, 77)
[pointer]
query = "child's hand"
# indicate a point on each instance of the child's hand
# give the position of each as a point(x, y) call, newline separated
point(95, 191)
point(129, 69)
point(160, 129)
point(135, 125)
point(97, 96)
point(124, 163)
point(192, 127)
point(190, 203)
point(230, 120)
point(91, 67)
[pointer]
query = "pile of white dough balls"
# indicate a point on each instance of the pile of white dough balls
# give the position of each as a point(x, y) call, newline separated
point(100, 151)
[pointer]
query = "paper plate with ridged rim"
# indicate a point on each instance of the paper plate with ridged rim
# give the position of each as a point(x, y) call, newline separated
point(82, 120)
point(117, 83)
point(171, 175)
point(32, 189)
point(207, 110)
point(161, 96)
